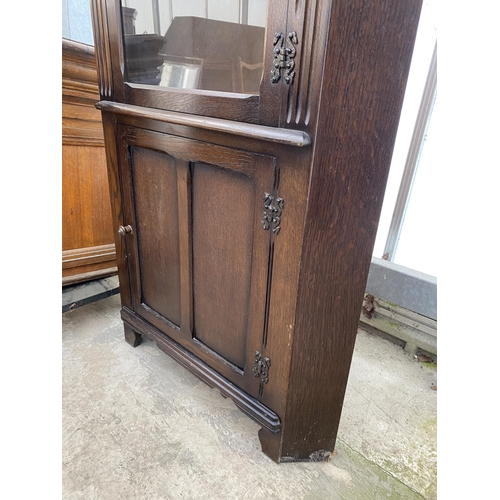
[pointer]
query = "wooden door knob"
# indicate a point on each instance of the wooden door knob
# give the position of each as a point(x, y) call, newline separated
point(124, 230)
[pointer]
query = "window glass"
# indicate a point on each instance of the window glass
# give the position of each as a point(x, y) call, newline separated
point(77, 21)
point(196, 44)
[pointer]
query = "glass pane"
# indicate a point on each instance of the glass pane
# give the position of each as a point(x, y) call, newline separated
point(195, 44)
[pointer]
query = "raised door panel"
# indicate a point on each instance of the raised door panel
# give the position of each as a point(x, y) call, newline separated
point(154, 178)
point(223, 219)
point(198, 255)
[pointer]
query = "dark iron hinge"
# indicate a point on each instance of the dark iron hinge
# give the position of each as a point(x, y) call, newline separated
point(284, 55)
point(271, 218)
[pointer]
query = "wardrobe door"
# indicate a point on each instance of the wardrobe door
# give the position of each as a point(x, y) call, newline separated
point(197, 245)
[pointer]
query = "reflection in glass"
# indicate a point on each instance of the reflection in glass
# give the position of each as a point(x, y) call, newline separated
point(180, 73)
point(196, 44)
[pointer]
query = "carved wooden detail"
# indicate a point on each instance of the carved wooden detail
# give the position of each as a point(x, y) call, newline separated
point(102, 39)
point(309, 20)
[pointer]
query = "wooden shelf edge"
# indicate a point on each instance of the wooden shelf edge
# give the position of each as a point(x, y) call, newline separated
point(288, 137)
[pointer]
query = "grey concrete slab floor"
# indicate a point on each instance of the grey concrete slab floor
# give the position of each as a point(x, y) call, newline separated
point(136, 425)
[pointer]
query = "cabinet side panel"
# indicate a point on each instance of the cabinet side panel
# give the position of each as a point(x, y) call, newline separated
point(223, 216)
point(366, 67)
point(157, 227)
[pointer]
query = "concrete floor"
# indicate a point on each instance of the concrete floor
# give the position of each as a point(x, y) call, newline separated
point(136, 425)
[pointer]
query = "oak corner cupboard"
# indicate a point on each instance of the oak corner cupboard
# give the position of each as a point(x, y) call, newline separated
point(248, 145)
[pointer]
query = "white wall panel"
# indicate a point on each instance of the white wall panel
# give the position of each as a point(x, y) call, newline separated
point(257, 10)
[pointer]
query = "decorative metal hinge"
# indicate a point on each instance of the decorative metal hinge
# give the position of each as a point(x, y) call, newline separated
point(261, 368)
point(284, 54)
point(271, 218)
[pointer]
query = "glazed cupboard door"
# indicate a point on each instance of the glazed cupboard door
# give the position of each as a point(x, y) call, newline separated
point(197, 248)
point(204, 57)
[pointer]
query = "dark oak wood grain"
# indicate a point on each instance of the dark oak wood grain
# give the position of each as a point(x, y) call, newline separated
point(190, 199)
point(222, 272)
point(370, 47)
point(156, 226)
point(265, 206)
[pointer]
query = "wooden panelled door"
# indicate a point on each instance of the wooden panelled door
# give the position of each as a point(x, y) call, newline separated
point(198, 251)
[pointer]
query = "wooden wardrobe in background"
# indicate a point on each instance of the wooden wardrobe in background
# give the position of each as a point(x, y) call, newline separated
point(88, 248)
